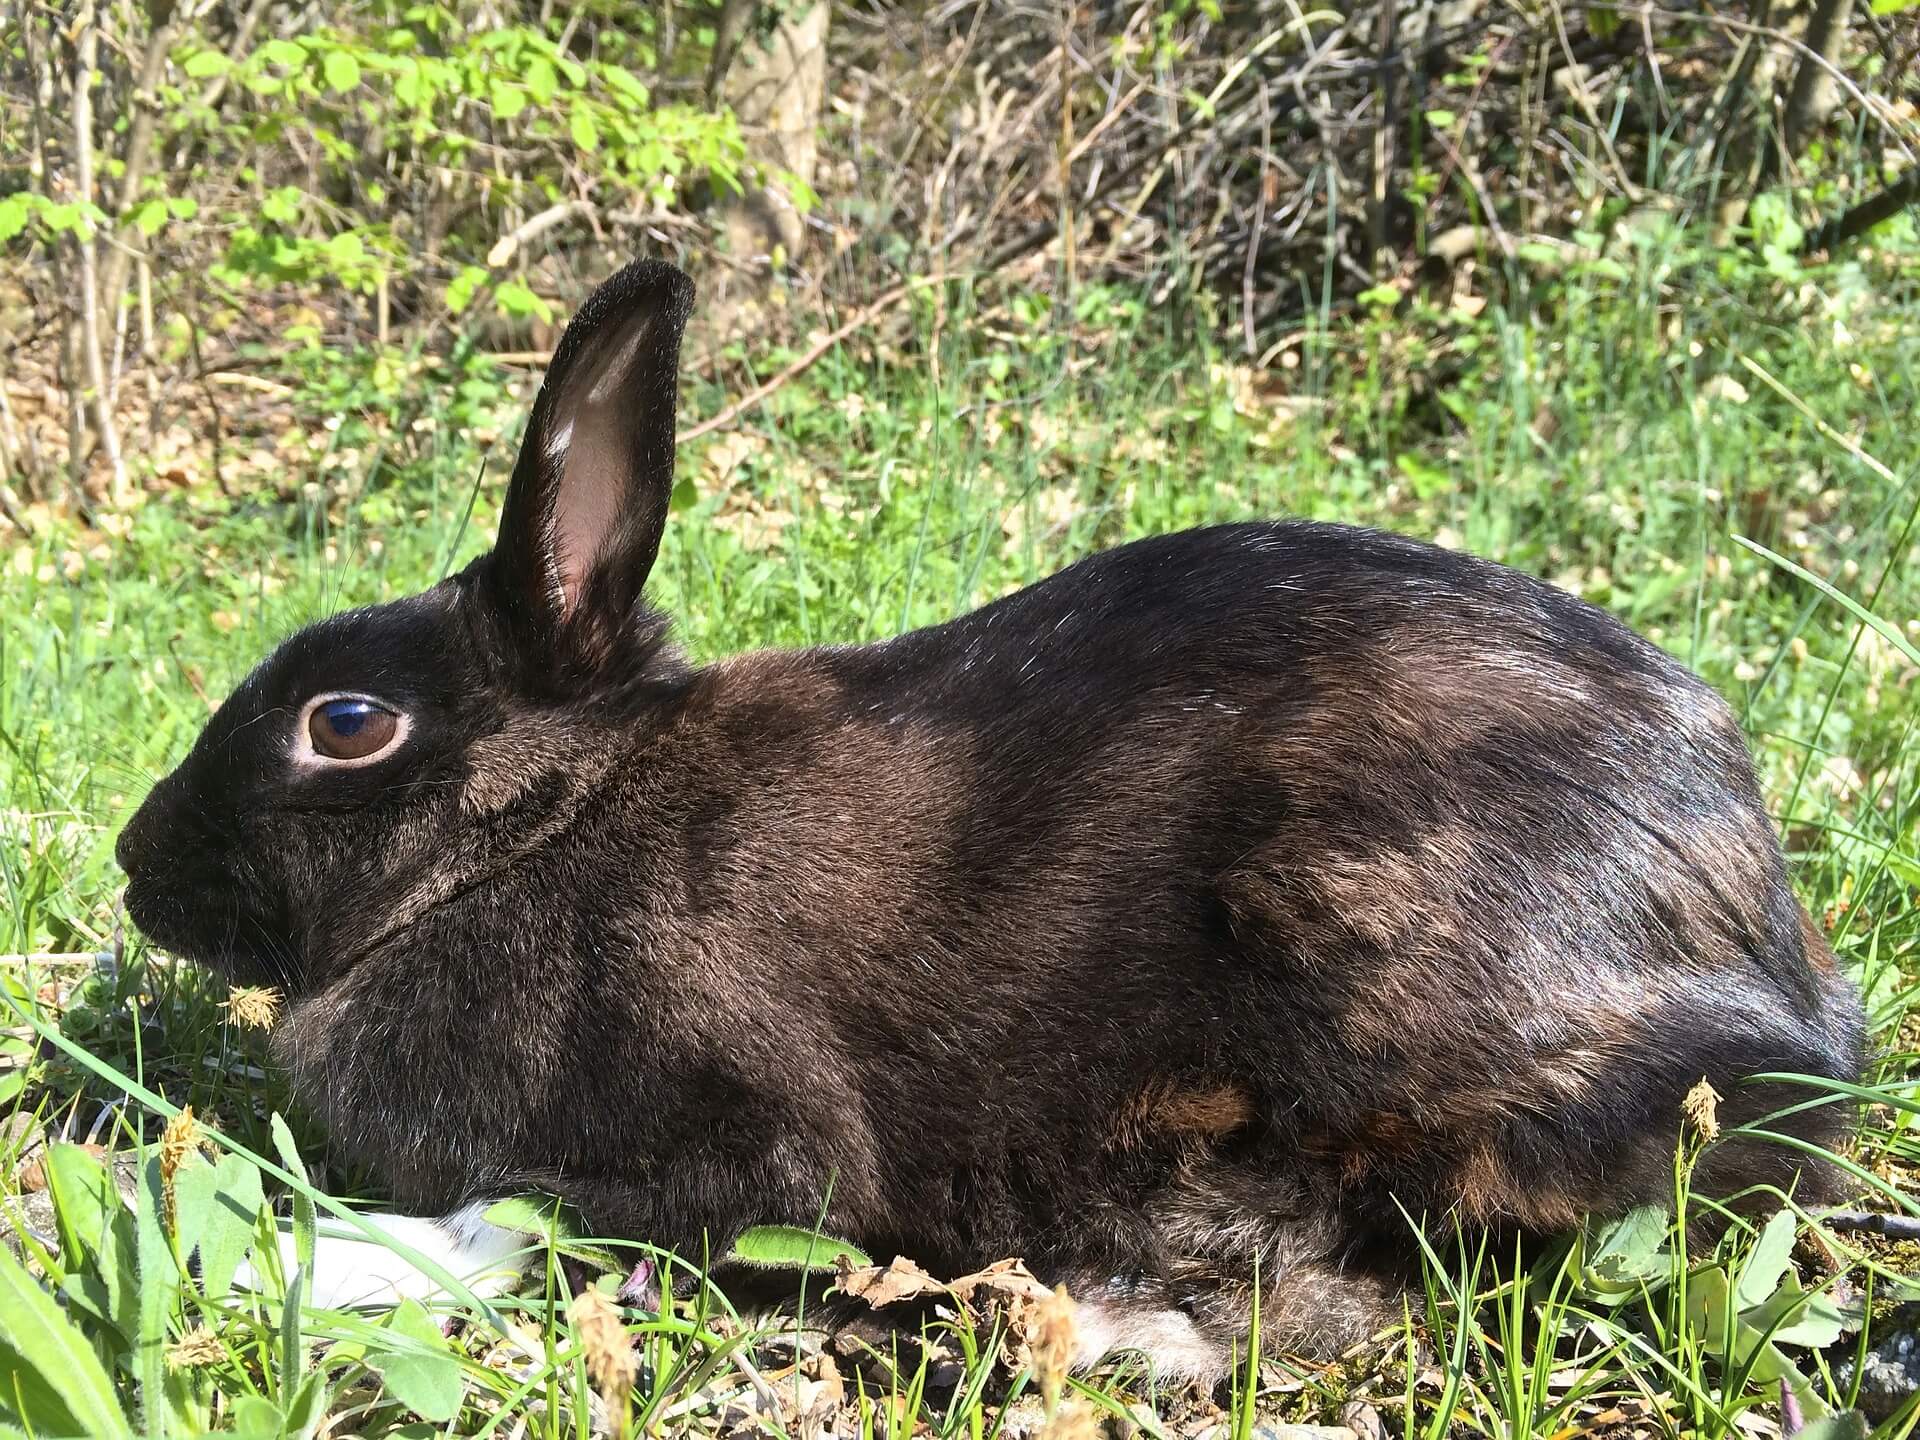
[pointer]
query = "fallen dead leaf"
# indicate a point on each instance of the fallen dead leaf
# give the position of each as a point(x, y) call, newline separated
point(880, 1285)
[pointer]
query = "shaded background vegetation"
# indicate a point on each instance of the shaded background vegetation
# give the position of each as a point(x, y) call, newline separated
point(203, 201)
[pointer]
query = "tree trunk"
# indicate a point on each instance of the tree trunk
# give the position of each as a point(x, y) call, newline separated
point(777, 94)
point(1814, 94)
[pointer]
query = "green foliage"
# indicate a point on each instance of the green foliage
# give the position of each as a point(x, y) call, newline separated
point(1746, 1308)
point(444, 100)
point(792, 1247)
point(96, 1241)
point(27, 212)
point(56, 1382)
point(474, 128)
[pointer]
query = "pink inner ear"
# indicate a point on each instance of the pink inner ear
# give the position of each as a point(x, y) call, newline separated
point(593, 443)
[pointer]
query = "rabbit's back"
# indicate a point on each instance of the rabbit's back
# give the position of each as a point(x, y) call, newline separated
point(1295, 839)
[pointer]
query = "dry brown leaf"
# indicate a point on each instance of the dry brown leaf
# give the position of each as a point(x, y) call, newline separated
point(880, 1285)
point(1009, 1278)
point(32, 1176)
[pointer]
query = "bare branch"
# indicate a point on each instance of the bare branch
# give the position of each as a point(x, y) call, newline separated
point(1866, 1222)
point(509, 244)
point(1858, 219)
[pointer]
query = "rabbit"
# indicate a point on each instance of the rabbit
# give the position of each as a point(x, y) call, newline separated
point(1207, 909)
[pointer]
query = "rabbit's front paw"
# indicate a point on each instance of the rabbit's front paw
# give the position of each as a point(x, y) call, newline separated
point(352, 1269)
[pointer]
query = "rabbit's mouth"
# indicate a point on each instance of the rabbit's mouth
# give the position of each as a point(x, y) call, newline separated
point(209, 923)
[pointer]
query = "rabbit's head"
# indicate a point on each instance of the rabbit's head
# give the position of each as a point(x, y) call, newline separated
point(385, 758)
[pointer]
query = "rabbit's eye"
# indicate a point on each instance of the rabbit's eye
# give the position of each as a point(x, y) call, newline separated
point(350, 729)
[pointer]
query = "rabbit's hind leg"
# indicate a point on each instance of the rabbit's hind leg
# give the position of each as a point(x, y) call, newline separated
point(1198, 1327)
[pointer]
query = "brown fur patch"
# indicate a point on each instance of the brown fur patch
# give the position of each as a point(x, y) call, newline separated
point(1374, 1144)
point(1488, 1192)
point(504, 766)
point(1422, 698)
point(1166, 1110)
point(1814, 942)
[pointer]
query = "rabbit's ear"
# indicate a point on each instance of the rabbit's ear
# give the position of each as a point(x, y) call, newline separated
point(589, 494)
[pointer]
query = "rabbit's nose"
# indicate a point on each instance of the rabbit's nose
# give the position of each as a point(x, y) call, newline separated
point(132, 847)
point(144, 839)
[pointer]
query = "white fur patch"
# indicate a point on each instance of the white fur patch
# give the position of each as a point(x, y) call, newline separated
point(351, 1270)
point(1173, 1346)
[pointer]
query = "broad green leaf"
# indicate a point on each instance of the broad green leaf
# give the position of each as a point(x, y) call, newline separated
point(216, 1207)
point(62, 218)
point(1707, 1296)
point(541, 79)
point(345, 249)
point(792, 1247)
point(407, 87)
point(513, 297)
point(256, 1418)
point(528, 1214)
point(159, 1287)
point(341, 70)
point(182, 207)
point(461, 289)
point(625, 83)
point(282, 205)
point(96, 1237)
point(545, 1219)
point(1631, 1249)
point(581, 127)
point(414, 1361)
point(13, 216)
point(1806, 1318)
point(1847, 1425)
point(205, 64)
point(284, 53)
point(508, 100)
point(307, 1408)
point(1766, 1262)
point(56, 1384)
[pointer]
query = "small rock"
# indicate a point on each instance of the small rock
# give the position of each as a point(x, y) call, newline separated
point(1363, 1420)
point(1891, 1373)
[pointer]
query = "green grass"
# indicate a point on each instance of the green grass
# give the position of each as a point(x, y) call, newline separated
point(1618, 430)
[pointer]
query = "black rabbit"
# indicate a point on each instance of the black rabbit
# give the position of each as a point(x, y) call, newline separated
point(1200, 906)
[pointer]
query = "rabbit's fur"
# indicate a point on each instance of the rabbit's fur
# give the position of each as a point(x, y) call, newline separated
point(1205, 904)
